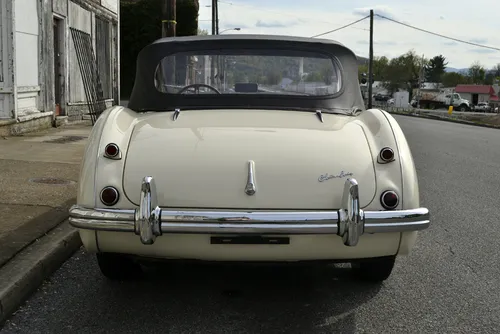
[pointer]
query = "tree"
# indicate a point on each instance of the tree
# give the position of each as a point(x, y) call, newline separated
point(202, 32)
point(435, 69)
point(493, 75)
point(476, 73)
point(187, 17)
point(496, 70)
point(273, 78)
point(380, 65)
point(313, 77)
point(489, 78)
point(362, 72)
point(139, 27)
point(404, 72)
point(327, 74)
point(452, 79)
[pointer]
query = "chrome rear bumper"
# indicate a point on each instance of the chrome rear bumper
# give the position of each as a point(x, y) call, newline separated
point(149, 220)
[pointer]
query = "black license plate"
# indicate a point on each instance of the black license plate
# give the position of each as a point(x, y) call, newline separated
point(249, 240)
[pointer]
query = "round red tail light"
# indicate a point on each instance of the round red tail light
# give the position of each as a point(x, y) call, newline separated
point(109, 196)
point(386, 154)
point(111, 150)
point(389, 200)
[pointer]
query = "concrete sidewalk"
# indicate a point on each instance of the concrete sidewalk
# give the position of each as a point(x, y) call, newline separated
point(38, 182)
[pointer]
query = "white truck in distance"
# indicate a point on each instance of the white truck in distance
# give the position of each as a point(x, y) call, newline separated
point(436, 100)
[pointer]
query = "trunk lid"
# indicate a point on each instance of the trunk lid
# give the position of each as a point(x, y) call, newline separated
point(201, 159)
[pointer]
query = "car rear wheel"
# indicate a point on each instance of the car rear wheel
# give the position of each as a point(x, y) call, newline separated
point(374, 270)
point(118, 266)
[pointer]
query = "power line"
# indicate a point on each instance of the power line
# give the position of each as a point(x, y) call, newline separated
point(278, 12)
point(347, 25)
point(439, 35)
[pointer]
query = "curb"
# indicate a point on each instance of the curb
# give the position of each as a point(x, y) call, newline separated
point(15, 241)
point(22, 275)
point(444, 119)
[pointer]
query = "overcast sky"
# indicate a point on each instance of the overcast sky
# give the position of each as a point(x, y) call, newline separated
point(477, 22)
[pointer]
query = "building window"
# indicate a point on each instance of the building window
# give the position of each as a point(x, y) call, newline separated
point(103, 42)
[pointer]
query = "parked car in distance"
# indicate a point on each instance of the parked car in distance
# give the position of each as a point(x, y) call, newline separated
point(482, 107)
point(381, 97)
point(215, 159)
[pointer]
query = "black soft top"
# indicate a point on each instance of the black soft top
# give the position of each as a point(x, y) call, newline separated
point(146, 97)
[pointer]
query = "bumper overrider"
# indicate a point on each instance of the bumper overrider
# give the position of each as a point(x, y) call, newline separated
point(150, 221)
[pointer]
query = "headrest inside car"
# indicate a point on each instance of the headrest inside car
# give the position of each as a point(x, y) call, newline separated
point(246, 87)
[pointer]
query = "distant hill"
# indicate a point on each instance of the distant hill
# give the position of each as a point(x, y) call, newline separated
point(457, 70)
point(465, 71)
point(362, 60)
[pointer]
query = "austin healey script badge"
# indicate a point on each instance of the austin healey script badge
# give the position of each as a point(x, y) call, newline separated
point(250, 188)
point(326, 177)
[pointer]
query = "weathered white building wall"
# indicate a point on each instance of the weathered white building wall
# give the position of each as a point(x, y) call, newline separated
point(34, 75)
point(480, 97)
point(60, 7)
point(6, 63)
point(80, 19)
point(26, 29)
point(83, 16)
point(3, 44)
point(112, 5)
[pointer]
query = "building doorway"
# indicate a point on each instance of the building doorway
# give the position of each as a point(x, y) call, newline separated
point(475, 99)
point(59, 56)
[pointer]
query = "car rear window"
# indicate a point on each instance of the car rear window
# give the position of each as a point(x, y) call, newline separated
point(275, 72)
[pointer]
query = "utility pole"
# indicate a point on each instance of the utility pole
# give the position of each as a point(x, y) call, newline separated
point(168, 22)
point(214, 9)
point(370, 64)
point(211, 58)
point(215, 31)
point(216, 16)
point(421, 80)
point(220, 74)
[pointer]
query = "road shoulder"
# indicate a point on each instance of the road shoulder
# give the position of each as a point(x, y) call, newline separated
point(443, 118)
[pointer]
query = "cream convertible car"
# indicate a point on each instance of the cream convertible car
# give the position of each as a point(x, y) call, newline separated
point(247, 148)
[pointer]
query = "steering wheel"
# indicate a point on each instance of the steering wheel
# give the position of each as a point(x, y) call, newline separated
point(197, 88)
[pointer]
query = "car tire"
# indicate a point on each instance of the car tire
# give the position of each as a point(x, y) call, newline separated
point(374, 270)
point(118, 267)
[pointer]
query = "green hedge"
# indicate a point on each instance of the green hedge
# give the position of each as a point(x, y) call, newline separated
point(140, 25)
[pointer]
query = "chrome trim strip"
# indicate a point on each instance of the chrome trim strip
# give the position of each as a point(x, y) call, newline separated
point(320, 115)
point(397, 227)
point(102, 224)
point(176, 114)
point(250, 188)
point(110, 215)
point(300, 222)
point(246, 228)
point(150, 221)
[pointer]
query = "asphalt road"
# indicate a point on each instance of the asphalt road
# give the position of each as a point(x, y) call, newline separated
point(449, 284)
